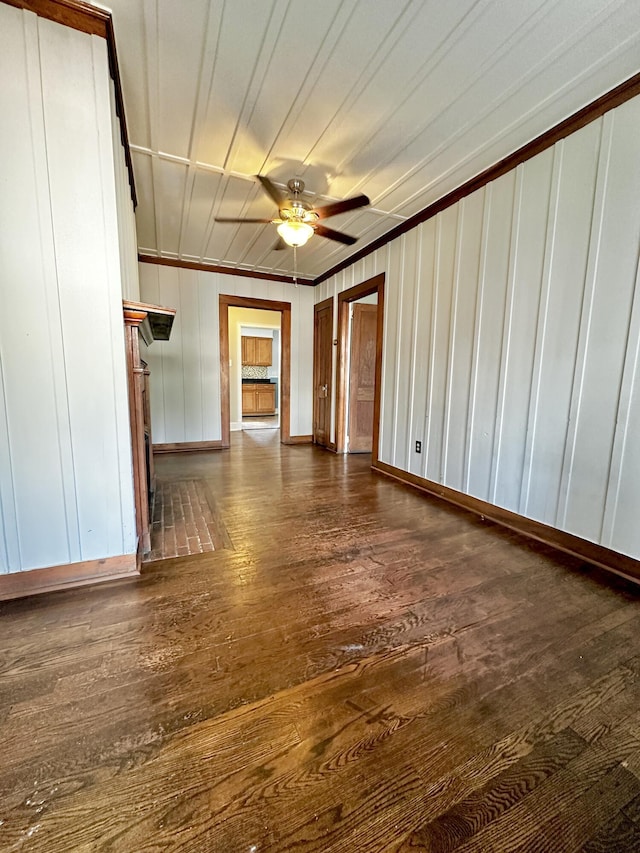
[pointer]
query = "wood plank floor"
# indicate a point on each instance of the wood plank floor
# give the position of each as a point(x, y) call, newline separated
point(361, 668)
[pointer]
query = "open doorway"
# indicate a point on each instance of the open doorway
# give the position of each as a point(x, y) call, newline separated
point(361, 373)
point(279, 317)
point(359, 368)
point(254, 368)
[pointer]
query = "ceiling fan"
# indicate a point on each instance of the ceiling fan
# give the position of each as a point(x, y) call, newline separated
point(297, 221)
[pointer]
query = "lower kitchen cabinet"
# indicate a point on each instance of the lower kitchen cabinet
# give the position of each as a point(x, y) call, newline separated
point(258, 399)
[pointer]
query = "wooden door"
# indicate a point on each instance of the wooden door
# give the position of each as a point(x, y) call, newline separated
point(322, 347)
point(362, 377)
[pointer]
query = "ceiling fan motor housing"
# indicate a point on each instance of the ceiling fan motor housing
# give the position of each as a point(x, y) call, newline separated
point(296, 209)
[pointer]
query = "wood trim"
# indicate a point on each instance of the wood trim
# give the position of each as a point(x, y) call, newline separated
point(114, 70)
point(96, 22)
point(133, 318)
point(326, 303)
point(192, 265)
point(378, 392)
point(225, 401)
point(284, 391)
point(156, 320)
point(225, 302)
point(598, 555)
point(371, 285)
point(67, 576)
point(614, 98)
point(320, 306)
point(188, 447)
point(251, 302)
point(69, 13)
point(299, 439)
point(342, 359)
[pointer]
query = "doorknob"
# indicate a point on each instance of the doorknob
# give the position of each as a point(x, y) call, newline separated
point(323, 390)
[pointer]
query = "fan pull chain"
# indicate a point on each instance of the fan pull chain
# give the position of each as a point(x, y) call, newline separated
point(295, 265)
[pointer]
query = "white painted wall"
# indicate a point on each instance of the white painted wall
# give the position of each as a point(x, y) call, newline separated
point(512, 326)
point(66, 492)
point(185, 371)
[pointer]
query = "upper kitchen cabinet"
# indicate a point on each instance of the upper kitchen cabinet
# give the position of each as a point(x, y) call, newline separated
point(257, 351)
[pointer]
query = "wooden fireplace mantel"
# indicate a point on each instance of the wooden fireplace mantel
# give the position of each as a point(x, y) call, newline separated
point(153, 323)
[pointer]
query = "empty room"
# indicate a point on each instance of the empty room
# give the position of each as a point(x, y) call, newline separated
point(320, 426)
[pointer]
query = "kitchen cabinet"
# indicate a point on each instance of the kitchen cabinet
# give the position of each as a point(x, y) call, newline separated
point(257, 351)
point(258, 399)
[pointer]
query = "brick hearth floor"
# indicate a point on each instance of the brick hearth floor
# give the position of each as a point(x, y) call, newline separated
point(184, 521)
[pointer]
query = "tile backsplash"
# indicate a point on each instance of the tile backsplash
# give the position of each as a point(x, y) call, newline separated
point(251, 371)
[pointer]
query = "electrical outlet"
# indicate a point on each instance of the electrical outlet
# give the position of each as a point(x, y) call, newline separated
point(418, 447)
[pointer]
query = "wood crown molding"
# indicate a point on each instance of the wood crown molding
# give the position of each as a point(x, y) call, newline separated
point(70, 13)
point(67, 576)
point(590, 552)
point(616, 96)
point(192, 265)
point(96, 22)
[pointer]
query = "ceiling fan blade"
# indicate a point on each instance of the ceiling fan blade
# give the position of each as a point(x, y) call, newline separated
point(323, 231)
point(252, 221)
point(342, 206)
point(272, 190)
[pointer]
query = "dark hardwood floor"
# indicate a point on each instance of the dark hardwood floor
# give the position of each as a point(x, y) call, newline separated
point(361, 668)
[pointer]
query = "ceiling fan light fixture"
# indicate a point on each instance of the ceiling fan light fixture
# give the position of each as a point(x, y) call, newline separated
point(295, 233)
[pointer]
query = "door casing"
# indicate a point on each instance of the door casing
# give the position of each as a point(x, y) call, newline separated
point(226, 302)
point(371, 285)
point(361, 387)
point(327, 304)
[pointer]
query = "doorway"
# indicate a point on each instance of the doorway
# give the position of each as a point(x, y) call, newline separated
point(284, 311)
point(362, 334)
point(254, 368)
point(365, 403)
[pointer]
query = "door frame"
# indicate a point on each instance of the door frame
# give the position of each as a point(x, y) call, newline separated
point(371, 285)
point(320, 306)
point(225, 302)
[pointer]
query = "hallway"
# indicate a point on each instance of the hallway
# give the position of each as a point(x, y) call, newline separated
point(356, 668)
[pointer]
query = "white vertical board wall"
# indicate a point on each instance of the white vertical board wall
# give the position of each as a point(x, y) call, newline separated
point(66, 492)
point(511, 349)
point(185, 371)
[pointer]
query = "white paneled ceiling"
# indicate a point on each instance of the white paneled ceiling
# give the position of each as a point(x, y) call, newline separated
point(402, 100)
